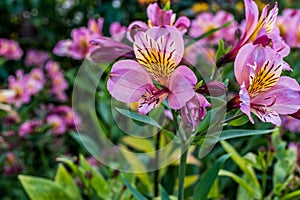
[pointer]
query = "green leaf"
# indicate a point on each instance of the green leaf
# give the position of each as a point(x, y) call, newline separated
point(134, 192)
point(221, 50)
point(203, 187)
point(291, 196)
point(141, 118)
point(167, 5)
point(234, 133)
point(243, 164)
point(239, 121)
point(163, 193)
point(98, 183)
point(42, 189)
point(140, 144)
point(65, 180)
point(240, 182)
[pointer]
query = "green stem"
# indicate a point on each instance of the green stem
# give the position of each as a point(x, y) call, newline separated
point(264, 182)
point(181, 173)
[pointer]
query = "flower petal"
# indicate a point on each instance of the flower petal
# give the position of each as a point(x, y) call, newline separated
point(160, 56)
point(284, 97)
point(245, 101)
point(128, 81)
point(181, 86)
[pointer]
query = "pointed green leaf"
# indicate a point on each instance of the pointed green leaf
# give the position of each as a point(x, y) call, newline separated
point(141, 144)
point(42, 189)
point(206, 182)
point(141, 118)
point(240, 181)
point(65, 180)
point(134, 192)
point(243, 164)
point(291, 196)
point(163, 193)
point(234, 133)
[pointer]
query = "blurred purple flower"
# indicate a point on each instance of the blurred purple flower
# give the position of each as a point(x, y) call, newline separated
point(58, 83)
point(28, 127)
point(288, 24)
point(290, 123)
point(262, 90)
point(207, 21)
point(18, 85)
point(158, 52)
point(79, 46)
point(67, 114)
point(117, 31)
point(36, 58)
point(96, 27)
point(35, 81)
point(58, 125)
point(10, 49)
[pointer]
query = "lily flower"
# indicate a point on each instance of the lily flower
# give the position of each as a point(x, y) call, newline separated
point(262, 90)
point(155, 75)
point(253, 26)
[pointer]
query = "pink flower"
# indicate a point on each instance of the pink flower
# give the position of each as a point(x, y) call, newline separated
point(290, 123)
point(10, 49)
point(159, 17)
point(58, 83)
point(96, 27)
point(35, 81)
point(18, 85)
point(194, 111)
point(36, 58)
point(288, 25)
point(117, 31)
point(67, 114)
point(58, 125)
point(78, 47)
point(158, 52)
point(52, 68)
point(252, 27)
point(262, 90)
point(28, 127)
point(206, 21)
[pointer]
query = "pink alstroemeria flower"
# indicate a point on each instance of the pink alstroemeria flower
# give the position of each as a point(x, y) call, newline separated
point(159, 17)
point(262, 90)
point(117, 31)
point(207, 21)
point(79, 46)
point(158, 52)
point(288, 25)
point(36, 58)
point(10, 49)
point(252, 27)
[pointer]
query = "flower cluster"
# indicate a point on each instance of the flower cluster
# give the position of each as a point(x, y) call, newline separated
point(288, 24)
point(10, 49)
point(151, 71)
